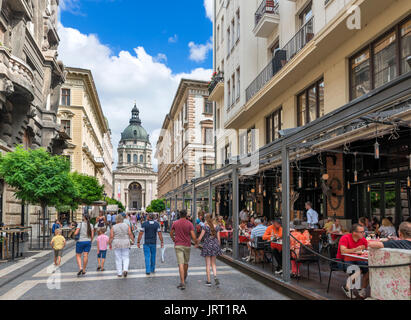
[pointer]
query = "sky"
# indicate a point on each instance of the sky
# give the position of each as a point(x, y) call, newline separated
point(138, 51)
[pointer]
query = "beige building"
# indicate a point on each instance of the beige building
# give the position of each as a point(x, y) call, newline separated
point(185, 148)
point(283, 66)
point(80, 114)
point(30, 81)
point(135, 182)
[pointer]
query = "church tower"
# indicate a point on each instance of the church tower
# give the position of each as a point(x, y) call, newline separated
point(135, 182)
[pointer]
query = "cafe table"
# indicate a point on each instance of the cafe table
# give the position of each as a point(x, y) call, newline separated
point(65, 231)
point(356, 257)
point(226, 235)
point(277, 245)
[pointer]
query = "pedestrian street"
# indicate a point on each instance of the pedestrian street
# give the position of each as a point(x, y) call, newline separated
point(45, 282)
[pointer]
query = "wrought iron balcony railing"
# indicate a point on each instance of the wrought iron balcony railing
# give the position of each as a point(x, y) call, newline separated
point(219, 77)
point(267, 6)
point(281, 57)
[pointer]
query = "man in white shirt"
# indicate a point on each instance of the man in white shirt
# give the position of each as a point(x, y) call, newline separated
point(312, 215)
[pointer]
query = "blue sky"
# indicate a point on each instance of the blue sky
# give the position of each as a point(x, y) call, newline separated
point(137, 51)
point(161, 27)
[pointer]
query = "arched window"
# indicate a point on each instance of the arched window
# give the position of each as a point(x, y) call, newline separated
point(141, 159)
point(121, 157)
point(128, 158)
point(135, 158)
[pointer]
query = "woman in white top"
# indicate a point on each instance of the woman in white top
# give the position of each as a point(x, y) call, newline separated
point(120, 236)
point(387, 229)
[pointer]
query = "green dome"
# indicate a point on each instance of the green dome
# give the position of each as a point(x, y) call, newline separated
point(135, 131)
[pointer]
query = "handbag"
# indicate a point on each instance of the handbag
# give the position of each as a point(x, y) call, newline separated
point(163, 251)
point(77, 237)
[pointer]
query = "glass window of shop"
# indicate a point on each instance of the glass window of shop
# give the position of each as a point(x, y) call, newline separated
point(310, 103)
point(381, 61)
point(274, 125)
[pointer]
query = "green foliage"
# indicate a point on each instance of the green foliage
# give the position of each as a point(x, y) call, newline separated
point(38, 177)
point(114, 201)
point(156, 206)
point(89, 189)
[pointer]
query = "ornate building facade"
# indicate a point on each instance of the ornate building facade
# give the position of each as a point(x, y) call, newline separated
point(135, 182)
point(81, 116)
point(30, 81)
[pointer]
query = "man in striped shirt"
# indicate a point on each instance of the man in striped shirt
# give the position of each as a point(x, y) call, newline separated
point(257, 231)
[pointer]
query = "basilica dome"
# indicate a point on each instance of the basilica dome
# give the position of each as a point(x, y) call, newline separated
point(135, 131)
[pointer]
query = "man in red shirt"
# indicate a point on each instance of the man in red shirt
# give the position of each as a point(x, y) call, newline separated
point(181, 233)
point(354, 243)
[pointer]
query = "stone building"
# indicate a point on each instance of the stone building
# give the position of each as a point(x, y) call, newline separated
point(185, 148)
point(81, 116)
point(30, 80)
point(135, 182)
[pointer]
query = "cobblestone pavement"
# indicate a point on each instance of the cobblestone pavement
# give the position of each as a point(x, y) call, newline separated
point(40, 283)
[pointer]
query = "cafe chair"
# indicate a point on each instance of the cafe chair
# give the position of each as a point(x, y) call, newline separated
point(259, 245)
point(334, 266)
point(306, 257)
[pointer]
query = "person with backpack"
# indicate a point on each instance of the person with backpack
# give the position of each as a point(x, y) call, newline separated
point(84, 236)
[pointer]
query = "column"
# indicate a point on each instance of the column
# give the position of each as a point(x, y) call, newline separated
point(194, 205)
point(286, 211)
point(234, 179)
point(210, 199)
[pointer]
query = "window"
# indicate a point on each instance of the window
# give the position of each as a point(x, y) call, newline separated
point(381, 61)
point(405, 31)
point(222, 29)
point(385, 66)
point(217, 119)
point(217, 36)
point(233, 90)
point(274, 48)
point(243, 142)
point(129, 158)
point(360, 74)
point(251, 140)
point(135, 158)
point(273, 125)
point(238, 84)
point(228, 93)
point(186, 110)
point(310, 104)
point(238, 24)
point(141, 158)
point(66, 124)
point(228, 42)
point(208, 107)
point(207, 169)
point(208, 136)
point(233, 35)
point(306, 15)
point(65, 97)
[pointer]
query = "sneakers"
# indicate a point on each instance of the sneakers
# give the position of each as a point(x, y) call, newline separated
point(245, 258)
point(278, 272)
point(347, 292)
point(362, 293)
point(181, 286)
point(208, 284)
point(217, 282)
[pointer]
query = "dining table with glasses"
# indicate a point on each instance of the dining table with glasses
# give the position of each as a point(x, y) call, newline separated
point(363, 256)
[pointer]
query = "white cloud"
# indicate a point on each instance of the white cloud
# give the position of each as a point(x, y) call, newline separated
point(123, 78)
point(198, 52)
point(160, 57)
point(72, 6)
point(209, 7)
point(173, 39)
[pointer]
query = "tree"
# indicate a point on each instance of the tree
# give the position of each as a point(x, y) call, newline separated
point(38, 177)
point(149, 209)
point(89, 189)
point(157, 205)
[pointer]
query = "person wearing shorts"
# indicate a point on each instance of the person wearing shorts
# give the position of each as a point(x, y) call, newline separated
point(58, 243)
point(102, 241)
point(181, 233)
point(83, 245)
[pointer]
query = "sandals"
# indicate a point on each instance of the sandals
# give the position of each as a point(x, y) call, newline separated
point(80, 273)
point(181, 286)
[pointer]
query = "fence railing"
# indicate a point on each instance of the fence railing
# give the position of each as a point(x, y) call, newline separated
point(281, 57)
point(216, 79)
point(267, 6)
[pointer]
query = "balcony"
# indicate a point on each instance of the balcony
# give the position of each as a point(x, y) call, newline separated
point(281, 58)
point(216, 87)
point(16, 76)
point(267, 18)
point(99, 162)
